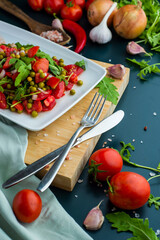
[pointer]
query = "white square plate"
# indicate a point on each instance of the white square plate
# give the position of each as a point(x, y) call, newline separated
point(91, 77)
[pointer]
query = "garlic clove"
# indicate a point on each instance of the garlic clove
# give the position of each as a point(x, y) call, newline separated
point(56, 24)
point(94, 219)
point(117, 71)
point(134, 48)
point(101, 33)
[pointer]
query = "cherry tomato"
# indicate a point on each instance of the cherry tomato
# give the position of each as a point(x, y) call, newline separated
point(43, 95)
point(73, 68)
point(81, 3)
point(104, 163)
point(129, 190)
point(53, 82)
point(59, 91)
point(27, 205)
point(53, 6)
point(71, 11)
point(18, 106)
point(32, 51)
point(3, 102)
point(7, 64)
point(41, 64)
point(50, 107)
point(36, 5)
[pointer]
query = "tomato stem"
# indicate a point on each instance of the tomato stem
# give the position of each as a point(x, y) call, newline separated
point(109, 185)
point(153, 177)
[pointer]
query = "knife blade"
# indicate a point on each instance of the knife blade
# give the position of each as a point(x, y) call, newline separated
point(103, 126)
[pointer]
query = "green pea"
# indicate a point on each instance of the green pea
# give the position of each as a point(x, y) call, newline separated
point(33, 89)
point(19, 111)
point(13, 109)
point(41, 84)
point(32, 83)
point(9, 86)
point(80, 83)
point(29, 105)
point(34, 113)
point(1, 56)
point(72, 92)
point(42, 75)
point(30, 100)
point(32, 74)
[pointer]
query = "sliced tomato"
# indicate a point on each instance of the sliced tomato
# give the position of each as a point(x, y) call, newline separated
point(59, 91)
point(6, 64)
point(42, 64)
point(69, 86)
point(53, 82)
point(32, 51)
point(3, 102)
point(73, 78)
point(49, 100)
point(18, 106)
point(43, 95)
point(37, 106)
point(50, 107)
point(28, 110)
point(39, 79)
point(73, 68)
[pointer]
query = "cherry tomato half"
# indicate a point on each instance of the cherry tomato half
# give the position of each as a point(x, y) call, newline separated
point(27, 205)
point(129, 190)
point(71, 11)
point(105, 163)
point(36, 5)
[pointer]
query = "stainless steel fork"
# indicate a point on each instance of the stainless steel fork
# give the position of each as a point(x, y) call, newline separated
point(89, 119)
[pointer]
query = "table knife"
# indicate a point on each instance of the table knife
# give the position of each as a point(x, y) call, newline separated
point(103, 126)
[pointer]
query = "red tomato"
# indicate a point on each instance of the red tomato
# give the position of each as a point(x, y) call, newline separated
point(32, 51)
point(50, 107)
point(3, 102)
point(59, 91)
point(43, 95)
point(71, 11)
point(42, 64)
point(37, 106)
point(27, 205)
point(73, 68)
point(49, 100)
point(36, 5)
point(6, 64)
point(69, 86)
point(109, 160)
point(129, 190)
point(53, 6)
point(18, 106)
point(81, 3)
point(53, 82)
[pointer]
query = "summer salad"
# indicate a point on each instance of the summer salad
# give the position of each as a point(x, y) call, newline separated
point(31, 80)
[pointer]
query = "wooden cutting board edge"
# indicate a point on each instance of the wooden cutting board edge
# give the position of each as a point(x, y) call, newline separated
point(66, 180)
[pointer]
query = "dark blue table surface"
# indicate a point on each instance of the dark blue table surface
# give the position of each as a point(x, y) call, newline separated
point(139, 102)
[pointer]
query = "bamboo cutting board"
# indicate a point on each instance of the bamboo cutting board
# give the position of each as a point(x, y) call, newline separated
point(60, 131)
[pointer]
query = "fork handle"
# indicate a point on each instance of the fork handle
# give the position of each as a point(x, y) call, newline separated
point(50, 175)
point(14, 10)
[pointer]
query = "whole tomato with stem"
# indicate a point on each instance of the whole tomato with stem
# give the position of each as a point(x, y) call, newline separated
point(53, 6)
point(81, 3)
point(27, 205)
point(104, 163)
point(71, 11)
point(36, 5)
point(128, 190)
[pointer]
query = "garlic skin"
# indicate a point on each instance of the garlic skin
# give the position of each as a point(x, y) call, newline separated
point(94, 219)
point(116, 71)
point(133, 48)
point(101, 33)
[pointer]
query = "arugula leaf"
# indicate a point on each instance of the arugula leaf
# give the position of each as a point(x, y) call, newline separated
point(18, 63)
point(45, 55)
point(139, 227)
point(20, 92)
point(2, 61)
point(19, 45)
point(27, 60)
point(55, 69)
point(154, 200)
point(23, 74)
point(146, 68)
point(5, 80)
point(106, 88)
point(81, 64)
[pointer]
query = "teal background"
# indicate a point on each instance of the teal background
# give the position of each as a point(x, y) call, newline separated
point(139, 102)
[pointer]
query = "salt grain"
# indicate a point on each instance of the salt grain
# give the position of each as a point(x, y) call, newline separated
point(133, 140)
point(109, 60)
point(137, 215)
point(80, 180)
point(113, 135)
point(141, 142)
point(45, 135)
point(155, 114)
point(109, 139)
point(157, 232)
point(134, 87)
point(76, 196)
point(41, 140)
point(152, 174)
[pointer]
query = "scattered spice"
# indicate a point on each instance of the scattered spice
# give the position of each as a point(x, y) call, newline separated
point(145, 128)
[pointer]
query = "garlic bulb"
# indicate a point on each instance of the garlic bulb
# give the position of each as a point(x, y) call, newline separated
point(94, 219)
point(101, 33)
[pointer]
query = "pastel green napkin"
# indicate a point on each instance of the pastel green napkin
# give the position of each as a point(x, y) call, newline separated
point(54, 222)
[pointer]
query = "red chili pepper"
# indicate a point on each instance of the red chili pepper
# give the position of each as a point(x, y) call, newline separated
point(77, 31)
